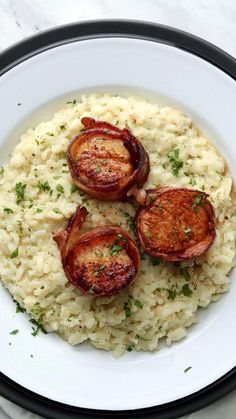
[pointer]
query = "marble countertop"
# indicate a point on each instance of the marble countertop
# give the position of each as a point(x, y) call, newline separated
point(213, 20)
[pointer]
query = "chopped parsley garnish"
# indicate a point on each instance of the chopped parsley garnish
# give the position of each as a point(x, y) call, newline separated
point(155, 261)
point(39, 210)
point(117, 122)
point(19, 309)
point(176, 163)
point(37, 142)
point(73, 188)
point(99, 270)
point(127, 308)
point(185, 273)
point(8, 210)
point(187, 369)
point(20, 192)
point(138, 303)
point(35, 330)
point(186, 290)
point(188, 230)
point(115, 248)
point(171, 294)
point(132, 226)
point(60, 189)
point(37, 311)
point(50, 134)
point(62, 127)
point(130, 348)
point(1, 170)
point(14, 332)
point(199, 201)
point(144, 256)
point(192, 181)
point(98, 253)
point(15, 253)
point(160, 207)
point(56, 210)
point(72, 102)
point(44, 186)
point(152, 197)
point(98, 168)
point(81, 129)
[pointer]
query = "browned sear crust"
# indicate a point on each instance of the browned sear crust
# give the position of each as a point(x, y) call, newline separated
point(102, 261)
point(176, 223)
point(106, 161)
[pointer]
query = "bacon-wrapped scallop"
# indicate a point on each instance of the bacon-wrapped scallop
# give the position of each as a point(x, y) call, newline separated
point(105, 161)
point(102, 261)
point(176, 223)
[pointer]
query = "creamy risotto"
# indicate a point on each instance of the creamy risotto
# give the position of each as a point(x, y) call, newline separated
point(37, 197)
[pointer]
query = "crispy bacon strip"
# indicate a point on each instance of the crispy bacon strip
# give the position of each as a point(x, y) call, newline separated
point(102, 261)
point(106, 161)
point(176, 223)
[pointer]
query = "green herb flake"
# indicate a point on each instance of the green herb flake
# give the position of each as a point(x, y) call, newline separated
point(98, 168)
point(188, 230)
point(138, 303)
point(1, 170)
point(187, 369)
point(127, 308)
point(144, 256)
point(171, 294)
point(199, 200)
point(130, 348)
point(152, 197)
point(155, 261)
point(8, 210)
point(186, 290)
point(60, 189)
point(14, 332)
point(20, 192)
point(99, 270)
point(72, 102)
point(115, 248)
point(44, 186)
point(62, 127)
point(56, 210)
point(39, 325)
point(15, 253)
point(176, 163)
point(185, 273)
point(19, 309)
point(99, 253)
point(73, 188)
point(38, 210)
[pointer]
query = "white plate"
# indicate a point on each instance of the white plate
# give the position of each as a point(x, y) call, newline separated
point(83, 376)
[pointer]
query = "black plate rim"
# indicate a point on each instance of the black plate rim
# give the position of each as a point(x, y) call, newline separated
point(157, 33)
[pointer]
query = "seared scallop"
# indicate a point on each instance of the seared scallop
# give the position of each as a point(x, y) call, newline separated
point(176, 223)
point(105, 161)
point(102, 261)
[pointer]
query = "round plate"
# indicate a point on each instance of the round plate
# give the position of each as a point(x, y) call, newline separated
point(40, 74)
